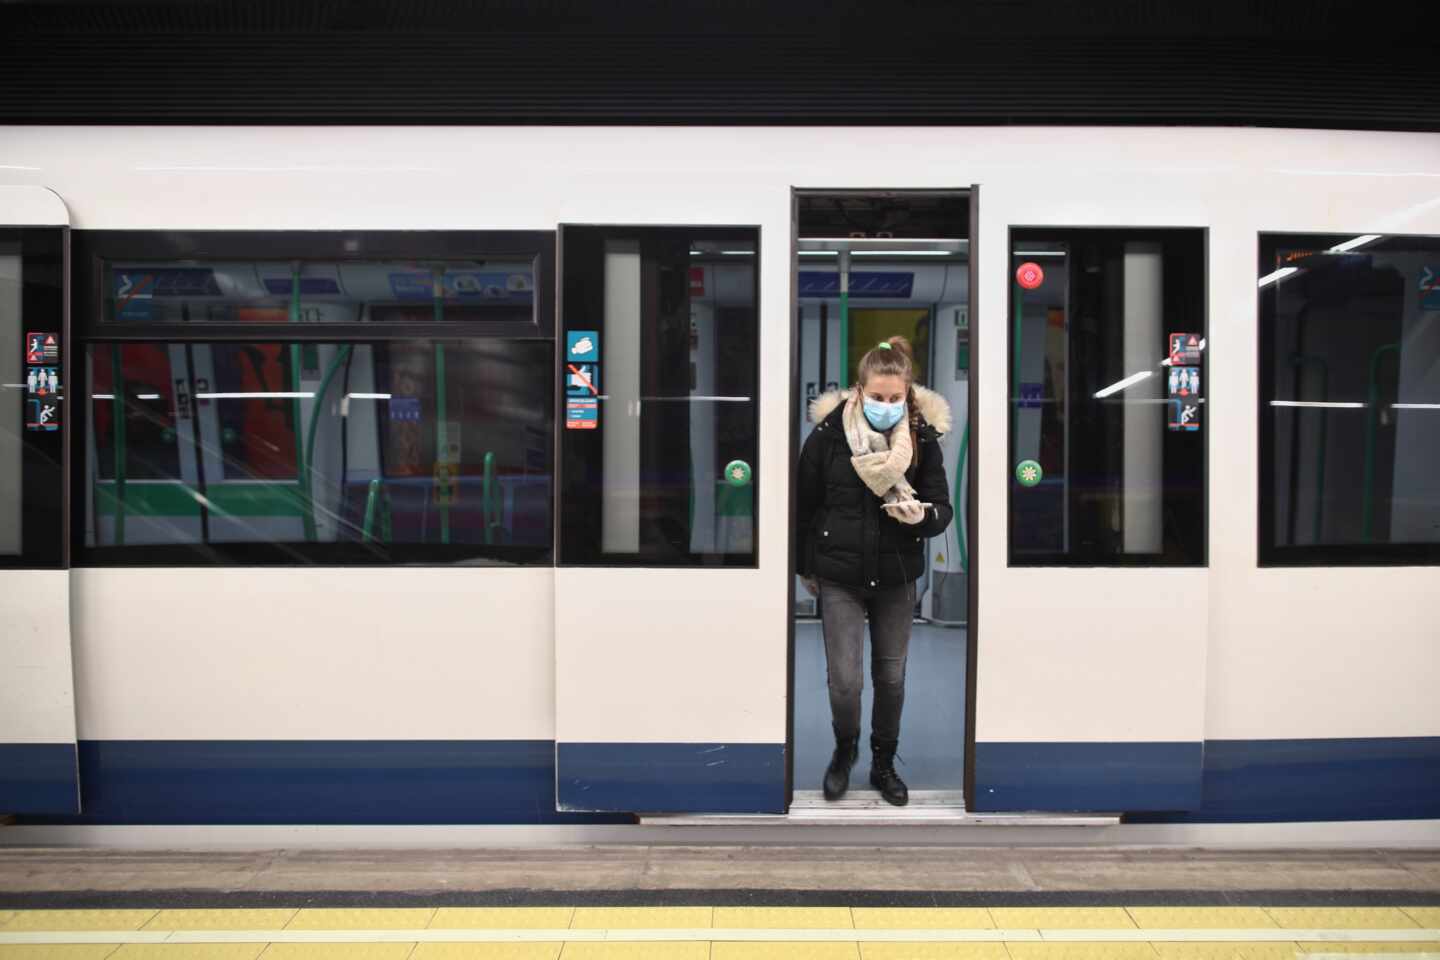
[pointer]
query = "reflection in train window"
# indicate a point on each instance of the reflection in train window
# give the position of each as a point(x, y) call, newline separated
point(1107, 395)
point(278, 291)
point(392, 451)
point(1350, 398)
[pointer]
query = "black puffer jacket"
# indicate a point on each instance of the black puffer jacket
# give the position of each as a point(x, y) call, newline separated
point(842, 533)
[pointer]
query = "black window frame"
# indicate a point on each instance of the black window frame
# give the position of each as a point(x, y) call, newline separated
point(92, 249)
point(1268, 554)
point(713, 233)
point(1117, 561)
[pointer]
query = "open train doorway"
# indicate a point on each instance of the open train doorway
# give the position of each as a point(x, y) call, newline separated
point(870, 266)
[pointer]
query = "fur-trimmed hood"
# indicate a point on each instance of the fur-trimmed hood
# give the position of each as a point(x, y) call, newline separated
point(933, 407)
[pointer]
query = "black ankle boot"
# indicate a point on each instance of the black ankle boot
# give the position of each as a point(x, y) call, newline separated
point(882, 772)
point(837, 775)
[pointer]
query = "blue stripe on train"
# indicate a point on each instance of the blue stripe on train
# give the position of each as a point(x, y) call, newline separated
point(1110, 777)
point(37, 778)
point(673, 777)
point(319, 782)
point(462, 782)
point(1362, 778)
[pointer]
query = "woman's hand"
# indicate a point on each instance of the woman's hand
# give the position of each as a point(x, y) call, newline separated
point(908, 511)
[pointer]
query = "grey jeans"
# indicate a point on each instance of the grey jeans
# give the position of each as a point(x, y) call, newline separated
point(842, 612)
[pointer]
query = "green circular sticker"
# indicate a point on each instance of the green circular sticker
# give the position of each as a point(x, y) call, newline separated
point(1028, 472)
point(737, 473)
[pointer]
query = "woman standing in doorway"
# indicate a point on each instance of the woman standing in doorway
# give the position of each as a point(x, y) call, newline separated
point(872, 491)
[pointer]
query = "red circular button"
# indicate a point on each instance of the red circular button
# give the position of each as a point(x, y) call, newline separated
point(1029, 275)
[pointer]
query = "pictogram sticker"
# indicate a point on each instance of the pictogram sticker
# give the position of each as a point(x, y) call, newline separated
point(581, 414)
point(42, 381)
point(1184, 382)
point(1184, 415)
point(1185, 348)
point(582, 380)
point(42, 348)
point(582, 345)
point(42, 415)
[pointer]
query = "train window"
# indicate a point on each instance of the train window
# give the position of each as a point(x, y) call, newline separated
point(1350, 399)
point(315, 452)
point(1107, 399)
point(314, 397)
point(309, 291)
point(660, 373)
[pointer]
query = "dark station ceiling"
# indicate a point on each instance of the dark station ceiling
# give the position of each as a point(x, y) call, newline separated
point(1328, 63)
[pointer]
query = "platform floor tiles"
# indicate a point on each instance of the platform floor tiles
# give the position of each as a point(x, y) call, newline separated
point(723, 933)
point(932, 724)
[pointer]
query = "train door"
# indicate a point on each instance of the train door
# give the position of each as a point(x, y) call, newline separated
point(870, 266)
point(669, 602)
point(38, 751)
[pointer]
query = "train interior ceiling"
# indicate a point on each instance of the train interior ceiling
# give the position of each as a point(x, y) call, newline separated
point(871, 266)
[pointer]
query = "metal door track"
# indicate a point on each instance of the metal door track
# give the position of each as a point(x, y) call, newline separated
point(863, 807)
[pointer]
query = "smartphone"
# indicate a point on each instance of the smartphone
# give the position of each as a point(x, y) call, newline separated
point(892, 506)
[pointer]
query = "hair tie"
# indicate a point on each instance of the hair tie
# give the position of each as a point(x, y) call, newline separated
point(883, 345)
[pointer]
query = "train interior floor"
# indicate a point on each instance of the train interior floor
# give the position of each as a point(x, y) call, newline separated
point(931, 756)
point(644, 901)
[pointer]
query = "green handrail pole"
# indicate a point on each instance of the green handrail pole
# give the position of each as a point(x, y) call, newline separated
point(340, 357)
point(955, 504)
point(441, 439)
point(117, 410)
point(487, 507)
point(845, 372)
point(1372, 408)
point(306, 510)
point(1016, 339)
point(372, 494)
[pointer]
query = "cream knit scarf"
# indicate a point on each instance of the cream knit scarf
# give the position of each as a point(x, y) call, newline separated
point(880, 460)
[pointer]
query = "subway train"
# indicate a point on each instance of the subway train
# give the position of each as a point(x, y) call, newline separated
point(446, 477)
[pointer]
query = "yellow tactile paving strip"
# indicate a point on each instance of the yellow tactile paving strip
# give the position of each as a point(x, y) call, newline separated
point(922, 918)
point(719, 933)
point(783, 918)
point(384, 918)
point(933, 951)
point(640, 918)
point(1282, 950)
point(1061, 918)
point(189, 951)
point(487, 951)
point(77, 920)
point(1341, 918)
point(1195, 918)
point(58, 951)
point(248, 919)
point(502, 918)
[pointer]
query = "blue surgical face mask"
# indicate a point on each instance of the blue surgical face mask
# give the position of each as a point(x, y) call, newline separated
point(883, 416)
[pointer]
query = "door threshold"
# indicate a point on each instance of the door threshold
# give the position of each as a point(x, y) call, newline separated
point(864, 807)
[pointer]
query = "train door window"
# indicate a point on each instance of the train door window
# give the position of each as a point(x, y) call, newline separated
point(32, 393)
point(1350, 399)
point(315, 408)
point(660, 377)
point(1107, 397)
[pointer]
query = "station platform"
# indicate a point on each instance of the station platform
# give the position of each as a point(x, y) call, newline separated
point(696, 902)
